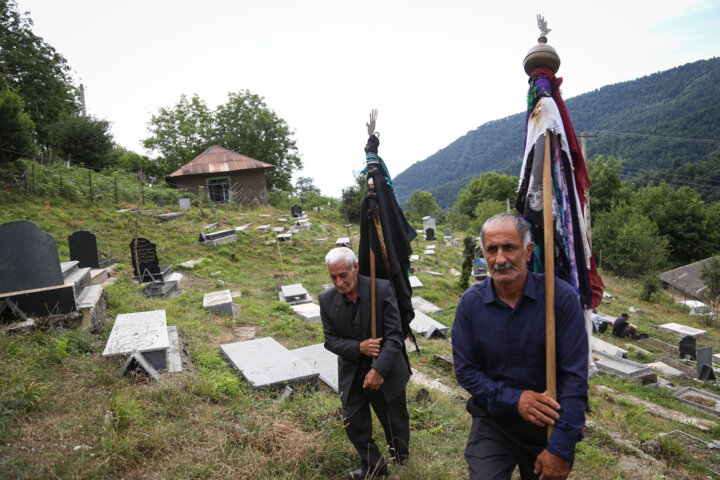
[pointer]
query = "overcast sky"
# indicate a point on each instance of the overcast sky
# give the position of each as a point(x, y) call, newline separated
point(433, 69)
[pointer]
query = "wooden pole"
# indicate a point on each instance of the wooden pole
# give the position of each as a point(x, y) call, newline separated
point(373, 313)
point(116, 191)
point(61, 192)
point(548, 231)
point(33, 177)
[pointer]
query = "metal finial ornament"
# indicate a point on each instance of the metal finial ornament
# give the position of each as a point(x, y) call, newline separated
point(542, 54)
point(374, 137)
point(542, 25)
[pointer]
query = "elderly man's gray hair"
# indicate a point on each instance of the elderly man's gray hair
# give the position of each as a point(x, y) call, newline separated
point(522, 226)
point(341, 254)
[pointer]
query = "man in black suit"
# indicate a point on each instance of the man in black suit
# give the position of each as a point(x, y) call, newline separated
point(371, 371)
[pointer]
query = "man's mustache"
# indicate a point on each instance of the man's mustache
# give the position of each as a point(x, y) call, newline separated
point(499, 267)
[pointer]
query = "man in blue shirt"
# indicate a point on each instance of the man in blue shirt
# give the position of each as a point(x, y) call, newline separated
point(498, 340)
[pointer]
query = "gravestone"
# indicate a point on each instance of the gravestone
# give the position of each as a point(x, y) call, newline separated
point(31, 275)
point(160, 203)
point(28, 258)
point(218, 238)
point(424, 306)
point(427, 327)
point(430, 234)
point(218, 302)
point(83, 248)
point(699, 399)
point(284, 237)
point(144, 332)
point(620, 366)
point(294, 294)
point(415, 282)
point(185, 204)
point(161, 289)
point(322, 361)
point(267, 364)
point(296, 211)
point(343, 242)
point(146, 262)
point(687, 347)
point(704, 364)
point(428, 222)
point(309, 312)
point(601, 346)
point(683, 330)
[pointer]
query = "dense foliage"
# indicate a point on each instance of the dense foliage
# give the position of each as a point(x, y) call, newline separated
point(243, 124)
point(679, 103)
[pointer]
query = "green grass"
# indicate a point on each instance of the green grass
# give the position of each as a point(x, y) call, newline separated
point(66, 412)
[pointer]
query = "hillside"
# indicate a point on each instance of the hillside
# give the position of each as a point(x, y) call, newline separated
point(66, 412)
point(680, 102)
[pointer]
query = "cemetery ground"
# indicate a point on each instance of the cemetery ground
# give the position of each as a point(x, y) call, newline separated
point(67, 412)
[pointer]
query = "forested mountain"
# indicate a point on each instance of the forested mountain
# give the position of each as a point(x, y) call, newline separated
point(630, 121)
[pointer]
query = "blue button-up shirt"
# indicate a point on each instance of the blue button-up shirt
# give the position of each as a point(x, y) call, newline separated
point(500, 351)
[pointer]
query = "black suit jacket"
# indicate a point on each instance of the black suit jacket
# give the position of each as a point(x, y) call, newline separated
point(341, 339)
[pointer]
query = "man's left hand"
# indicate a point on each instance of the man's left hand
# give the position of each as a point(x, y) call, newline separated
point(373, 380)
point(551, 467)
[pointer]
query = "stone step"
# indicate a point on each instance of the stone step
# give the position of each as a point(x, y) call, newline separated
point(68, 268)
point(99, 275)
point(79, 277)
point(92, 303)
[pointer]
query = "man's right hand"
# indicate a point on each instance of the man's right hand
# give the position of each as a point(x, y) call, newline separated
point(370, 347)
point(538, 408)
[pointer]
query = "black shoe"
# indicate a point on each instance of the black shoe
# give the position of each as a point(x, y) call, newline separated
point(361, 474)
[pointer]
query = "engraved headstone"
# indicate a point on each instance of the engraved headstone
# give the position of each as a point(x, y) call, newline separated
point(145, 332)
point(296, 211)
point(430, 234)
point(28, 258)
point(145, 260)
point(343, 242)
point(687, 347)
point(185, 204)
point(83, 248)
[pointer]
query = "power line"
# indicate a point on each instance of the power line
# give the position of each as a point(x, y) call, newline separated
point(656, 137)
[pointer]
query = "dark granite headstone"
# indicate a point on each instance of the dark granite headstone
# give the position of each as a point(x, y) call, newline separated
point(83, 248)
point(447, 232)
point(430, 234)
point(704, 364)
point(160, 203)
point(146, 259)
point(687, 347)
point(28, 258)
point(296, 211)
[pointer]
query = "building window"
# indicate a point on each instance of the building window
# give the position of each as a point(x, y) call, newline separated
point(218, 189)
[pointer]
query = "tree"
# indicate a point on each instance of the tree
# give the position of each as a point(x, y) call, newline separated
point(484, 210)
point(711, 278)
point(35, 70)
point(306, 190)
point(180, 133)
point(16, 126)
point(606, 186)
point(488, 186)
point(628, 243)
point(245, 124)
point(422, 204)
point(352, 197)
point(85, 140)
point(681, 217)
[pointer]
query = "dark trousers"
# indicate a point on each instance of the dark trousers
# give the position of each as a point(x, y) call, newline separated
point(496, 445)
point(393, 416)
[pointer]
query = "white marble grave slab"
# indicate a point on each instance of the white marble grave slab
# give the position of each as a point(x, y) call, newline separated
point(293, 291)
point(174, 364)
point(415, 282)
point(716, 358)
point(284, 237)
point(414, 258)
point(278, 229)
point(619, 366)
point(263, 228)
point(309, 312)
point(424, 306)
point(242, 228)
point(429, 252)
point(322, 361)
point(426, 326)
point(191, 263)
point(265, 363)
point(342, 241)
point(683, 330)
point(665, 369)
point(602, 346)
point(140, 331)
point(219, 302)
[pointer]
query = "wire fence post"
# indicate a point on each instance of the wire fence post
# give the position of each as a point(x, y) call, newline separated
point(33, 177)
point(90, 184)
point(61, 191)
point(116, 192)
point(142, 192)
